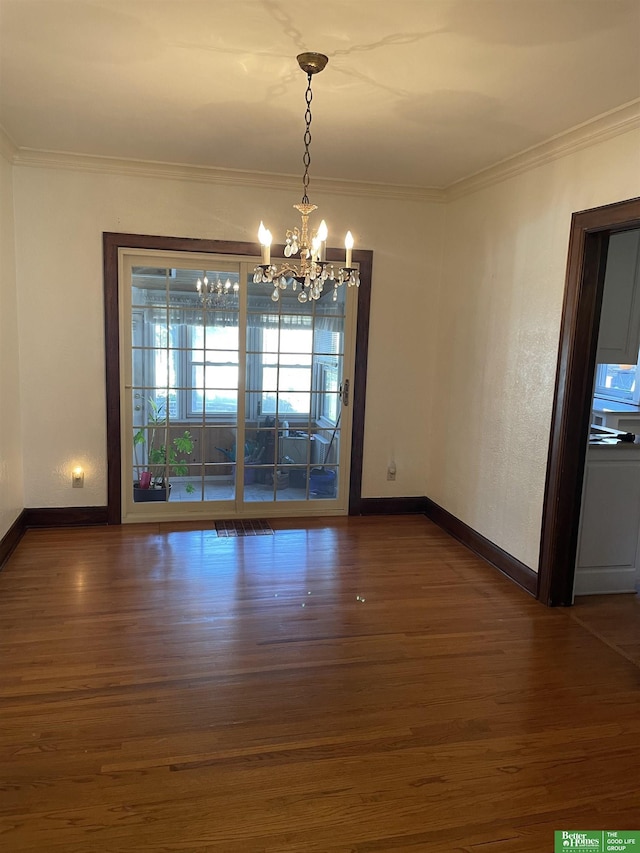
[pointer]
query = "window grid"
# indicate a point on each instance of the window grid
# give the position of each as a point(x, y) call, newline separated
point(292, 368)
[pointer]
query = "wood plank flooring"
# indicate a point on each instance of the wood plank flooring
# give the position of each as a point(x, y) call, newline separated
point(359, 685)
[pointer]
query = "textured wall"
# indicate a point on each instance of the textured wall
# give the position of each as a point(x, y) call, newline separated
point(11, 492)
point(499, 320)
point(60, 217)
point(461, 374)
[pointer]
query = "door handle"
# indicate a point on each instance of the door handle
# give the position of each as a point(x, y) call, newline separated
point(344, 392)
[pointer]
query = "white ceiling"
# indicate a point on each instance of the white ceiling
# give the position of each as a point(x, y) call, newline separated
point(416, 92)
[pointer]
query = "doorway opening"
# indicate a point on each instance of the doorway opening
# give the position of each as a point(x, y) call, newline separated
point(588, 246)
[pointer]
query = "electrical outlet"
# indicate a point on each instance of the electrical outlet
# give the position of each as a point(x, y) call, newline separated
point(391, 472)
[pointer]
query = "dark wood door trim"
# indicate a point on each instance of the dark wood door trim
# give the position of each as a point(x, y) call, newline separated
point(365, 260)
point(112, 242)
point(588, 244)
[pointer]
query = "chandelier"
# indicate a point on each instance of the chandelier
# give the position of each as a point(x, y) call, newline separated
point(312, 272)
point(216, 294)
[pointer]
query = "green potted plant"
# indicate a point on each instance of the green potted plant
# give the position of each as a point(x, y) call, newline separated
point(163, 457)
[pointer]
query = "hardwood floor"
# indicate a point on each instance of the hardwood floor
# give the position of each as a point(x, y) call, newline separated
point(365, 685)
point(615, 619)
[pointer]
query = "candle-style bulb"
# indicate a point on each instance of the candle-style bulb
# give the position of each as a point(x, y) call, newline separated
point(264, 235)
point(322, 240)
point(348, 244)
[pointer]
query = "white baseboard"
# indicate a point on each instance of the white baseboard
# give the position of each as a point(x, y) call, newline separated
point(605, 579)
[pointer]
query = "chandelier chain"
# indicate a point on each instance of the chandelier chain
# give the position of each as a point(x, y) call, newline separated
point(306, 159)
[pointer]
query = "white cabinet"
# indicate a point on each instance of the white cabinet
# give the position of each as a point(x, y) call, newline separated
point(608, 552)
point(619, 335)
point(617, 416)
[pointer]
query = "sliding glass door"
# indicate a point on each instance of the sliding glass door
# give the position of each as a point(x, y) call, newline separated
point(235, 405)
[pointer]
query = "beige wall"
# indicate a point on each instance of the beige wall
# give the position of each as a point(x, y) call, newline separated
point(11, 491)
point(499, 319)
point(60, 217)
point(464, 324)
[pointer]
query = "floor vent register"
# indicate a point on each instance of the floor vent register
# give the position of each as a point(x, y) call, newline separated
point(249, 527)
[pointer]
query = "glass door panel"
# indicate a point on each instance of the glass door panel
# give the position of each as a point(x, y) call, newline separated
point(294, 370)
point(185, 374)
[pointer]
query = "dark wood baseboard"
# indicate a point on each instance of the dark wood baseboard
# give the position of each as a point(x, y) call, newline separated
point(518, 572)
point(392, 506)
point(11, 538)
point(84, 516)
point(65, 516)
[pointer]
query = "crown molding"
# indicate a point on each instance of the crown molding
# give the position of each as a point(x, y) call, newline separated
point(8, 148)
point(606, 126)
point(603, 127)
point(209, 174)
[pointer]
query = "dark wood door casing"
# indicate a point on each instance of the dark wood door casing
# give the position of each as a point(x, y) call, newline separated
point(112, 242)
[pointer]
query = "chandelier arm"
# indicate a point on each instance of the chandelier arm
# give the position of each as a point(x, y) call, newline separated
point(287, 271)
